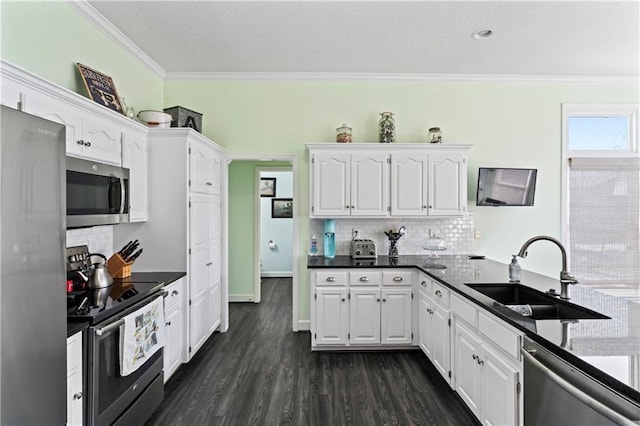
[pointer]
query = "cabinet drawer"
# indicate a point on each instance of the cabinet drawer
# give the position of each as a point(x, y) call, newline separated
point(504, 338)
point(331, 278)
point(440, 293)
point(464, 310)
point(365, 277)
point(175, 292)
point(74, 351)
point(397, 277)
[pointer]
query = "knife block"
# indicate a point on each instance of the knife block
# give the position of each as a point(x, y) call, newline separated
point(117, 267)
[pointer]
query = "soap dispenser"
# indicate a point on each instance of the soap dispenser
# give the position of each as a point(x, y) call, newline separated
point(514, 270)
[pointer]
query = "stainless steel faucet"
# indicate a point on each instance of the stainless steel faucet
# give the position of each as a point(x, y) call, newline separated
point(565, 276)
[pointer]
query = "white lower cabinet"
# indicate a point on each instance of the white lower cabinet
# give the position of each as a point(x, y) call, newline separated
point(356, 308)
point(485, 375)
point(175, 349)
point(435, 339)
point(75, 397)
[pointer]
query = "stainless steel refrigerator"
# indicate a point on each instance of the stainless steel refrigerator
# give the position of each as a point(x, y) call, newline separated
point(32, 287)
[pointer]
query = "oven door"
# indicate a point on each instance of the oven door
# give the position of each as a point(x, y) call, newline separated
point(114, 397)
point(97, 194)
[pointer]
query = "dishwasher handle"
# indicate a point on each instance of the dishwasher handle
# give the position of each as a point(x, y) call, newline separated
point(576, 392)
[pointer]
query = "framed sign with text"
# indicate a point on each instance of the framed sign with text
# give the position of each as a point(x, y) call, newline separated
point(101, 88)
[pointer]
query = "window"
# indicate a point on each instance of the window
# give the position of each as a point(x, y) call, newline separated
point(602, 202)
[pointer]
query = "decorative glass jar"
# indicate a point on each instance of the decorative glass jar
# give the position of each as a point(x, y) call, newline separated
point(343, 134)
point(386, 128)
point(435, 135)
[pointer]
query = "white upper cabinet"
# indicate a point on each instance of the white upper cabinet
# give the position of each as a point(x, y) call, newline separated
point(204, 168)
point(134, 158)
point(378, 180)
point(331, 184)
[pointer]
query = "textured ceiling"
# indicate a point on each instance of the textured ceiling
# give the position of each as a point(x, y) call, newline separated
point(555, 38)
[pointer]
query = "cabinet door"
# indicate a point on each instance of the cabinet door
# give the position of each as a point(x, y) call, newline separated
point(75, 398)
point(331, 316)
point(213, 289)
point(499, 389)
point(426, 328)
point(198, 271)
point(447, 184)
point(45, 107)
point(134, 158)
point(364, 316)
point(465, 368)
point(172, 356)
point(369, 184)
point(331, 185)
point(213, 172)
point(396, 316)
point(102, 141)
point(409, 185)
point(441, 349)
point(199, 167)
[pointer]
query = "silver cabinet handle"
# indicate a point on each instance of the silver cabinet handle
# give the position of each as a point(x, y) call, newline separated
point(87, 144)
point(364, 279)
point(438, 293)
point(77, 395)
point(80, 142)
point(209, 263)
point(474, 356)
point(576, 392)
point(331, 279)
point(397, 279)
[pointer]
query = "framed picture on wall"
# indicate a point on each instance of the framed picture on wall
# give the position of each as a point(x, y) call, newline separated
point(282, 208)
point(267, 187)
point(101, 88)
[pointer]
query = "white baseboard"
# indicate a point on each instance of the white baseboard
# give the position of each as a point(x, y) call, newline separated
point(304, 325)
point(276, 274)
point(241, 297)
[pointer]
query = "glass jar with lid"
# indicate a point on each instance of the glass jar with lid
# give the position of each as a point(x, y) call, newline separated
point(343, 134)
point(434, 135)
point(386, 128)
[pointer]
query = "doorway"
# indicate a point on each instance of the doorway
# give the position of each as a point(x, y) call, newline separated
point(244, 219)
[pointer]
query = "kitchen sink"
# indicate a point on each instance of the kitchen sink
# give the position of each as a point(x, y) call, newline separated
point(543, 306)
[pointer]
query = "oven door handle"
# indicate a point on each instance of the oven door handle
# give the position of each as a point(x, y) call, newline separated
point(116, 324)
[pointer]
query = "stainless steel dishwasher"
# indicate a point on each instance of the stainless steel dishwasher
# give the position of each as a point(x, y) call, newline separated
point(557, 393)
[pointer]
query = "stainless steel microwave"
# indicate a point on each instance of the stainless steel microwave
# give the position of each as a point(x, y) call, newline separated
point(97, 193)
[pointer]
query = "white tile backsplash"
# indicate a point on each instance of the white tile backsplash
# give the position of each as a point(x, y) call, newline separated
point(99, 239)
point(456, 232)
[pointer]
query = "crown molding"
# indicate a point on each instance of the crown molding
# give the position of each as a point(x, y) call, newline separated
point(473, 78)
point(94, 17)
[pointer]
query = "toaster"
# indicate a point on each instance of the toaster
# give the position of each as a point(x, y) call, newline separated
point(363, 249)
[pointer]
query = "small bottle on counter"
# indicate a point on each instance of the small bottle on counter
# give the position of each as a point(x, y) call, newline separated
point(514, 270)
point(313, 250)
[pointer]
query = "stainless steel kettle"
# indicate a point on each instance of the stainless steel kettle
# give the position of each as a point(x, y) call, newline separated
point(100, 277)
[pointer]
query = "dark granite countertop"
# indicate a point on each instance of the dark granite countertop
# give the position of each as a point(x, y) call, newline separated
point(607, 349)
point(75, 327)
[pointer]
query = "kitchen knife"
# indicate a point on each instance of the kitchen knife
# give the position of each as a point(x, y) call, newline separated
point(126, 246)
point(135, 256)
point(130, 250)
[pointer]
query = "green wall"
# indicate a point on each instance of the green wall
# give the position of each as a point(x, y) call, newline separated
point(48, 38)
point(508, 124)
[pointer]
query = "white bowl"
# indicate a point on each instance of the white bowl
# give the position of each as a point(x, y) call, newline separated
point(155, 118)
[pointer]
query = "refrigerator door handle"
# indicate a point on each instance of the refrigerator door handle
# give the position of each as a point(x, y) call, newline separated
point(576, 392)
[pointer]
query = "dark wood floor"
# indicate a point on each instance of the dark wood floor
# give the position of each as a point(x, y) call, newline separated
point(261, 373)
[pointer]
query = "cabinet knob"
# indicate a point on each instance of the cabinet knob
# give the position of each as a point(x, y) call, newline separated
point(377, 300)
point(384, 300)
point(209, 263)
point(168, 323)
point(346, 207)
point(343, 299)
point(331, 279)
point(87, 144)
point(397, 279)
point(430, 207)
point(174, 293)
point(364, 279)
point(77, 395)
point(474, 356)
point(438, 293)
point(423, 283)
point(424, 207)
point(80, 142)
point(353, 207)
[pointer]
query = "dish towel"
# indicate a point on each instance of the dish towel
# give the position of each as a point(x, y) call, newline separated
point(141, 335)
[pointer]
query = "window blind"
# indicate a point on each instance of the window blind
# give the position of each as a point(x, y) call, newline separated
point(604, 222)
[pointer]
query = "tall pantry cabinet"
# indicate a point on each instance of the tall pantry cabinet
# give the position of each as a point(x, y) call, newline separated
point(183, 230)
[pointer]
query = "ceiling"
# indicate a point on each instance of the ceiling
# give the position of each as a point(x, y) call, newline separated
point(530, 38)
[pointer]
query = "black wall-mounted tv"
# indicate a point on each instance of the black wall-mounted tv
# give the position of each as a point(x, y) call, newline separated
point(506, 186)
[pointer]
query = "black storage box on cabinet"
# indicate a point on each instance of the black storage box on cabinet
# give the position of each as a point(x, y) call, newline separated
point(183, 117)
